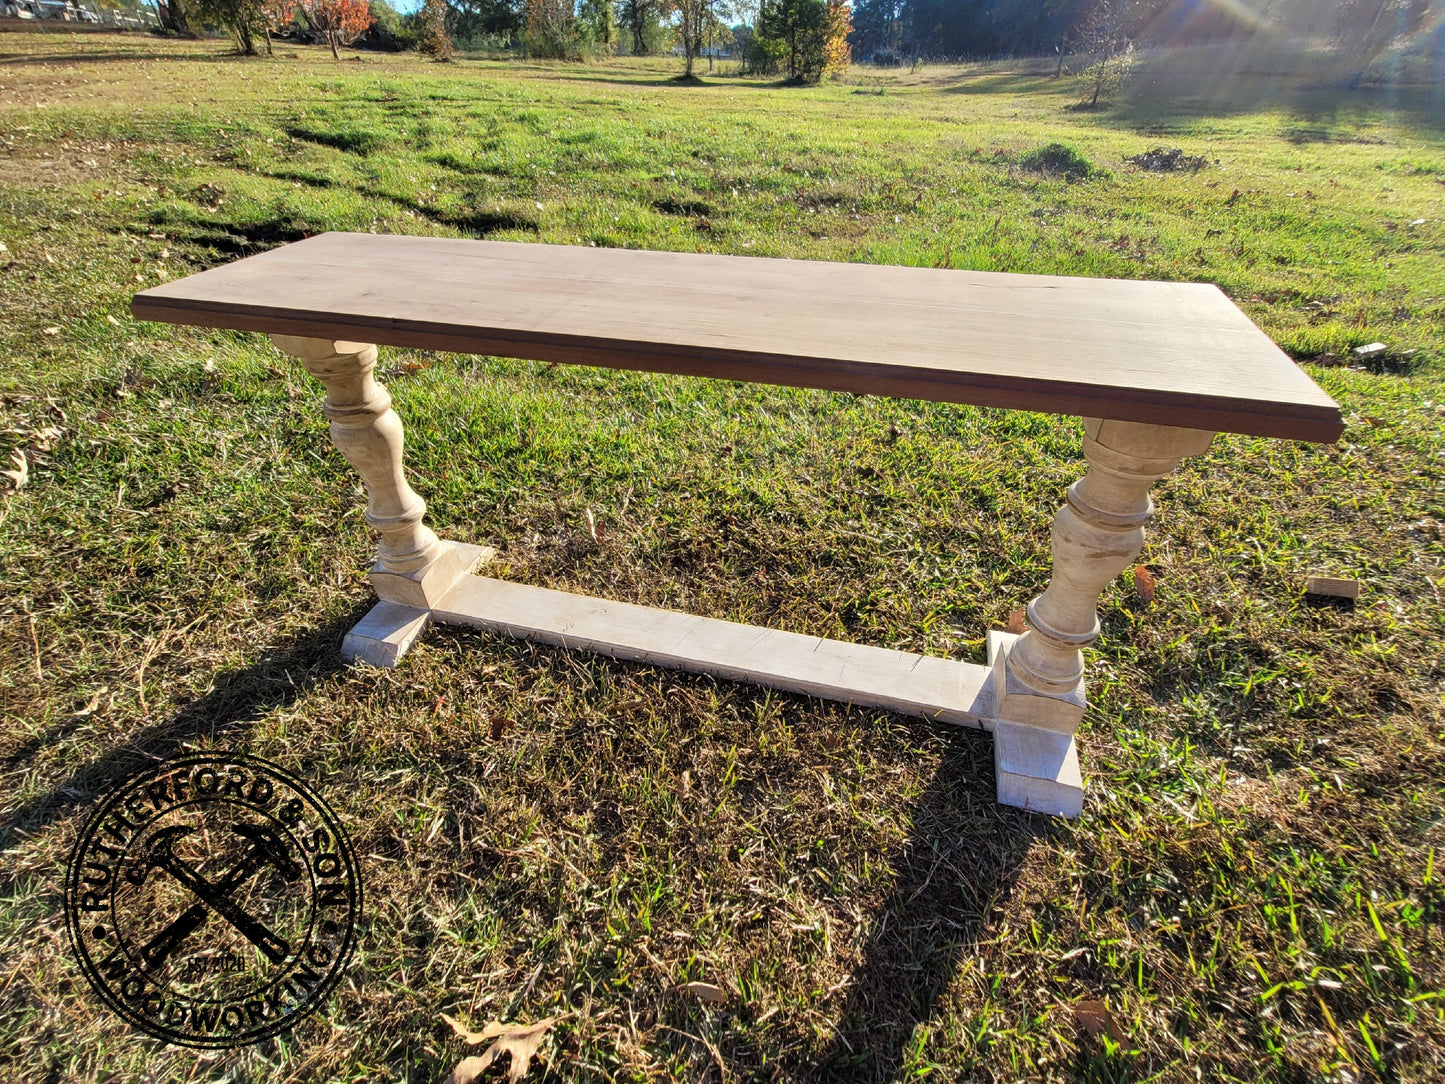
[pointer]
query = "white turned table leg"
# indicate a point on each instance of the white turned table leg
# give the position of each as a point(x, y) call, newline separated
point(1039, 676)
point(414, 568)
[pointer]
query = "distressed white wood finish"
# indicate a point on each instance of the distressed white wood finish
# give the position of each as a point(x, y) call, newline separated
point(413, 566)
point(1036, 768)
point(385, 634)
point(1039, 678)
point(870, 677)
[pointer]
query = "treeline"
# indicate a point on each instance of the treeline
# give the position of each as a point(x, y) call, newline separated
point(805, 40)
point(891, 31)
point(800, 39)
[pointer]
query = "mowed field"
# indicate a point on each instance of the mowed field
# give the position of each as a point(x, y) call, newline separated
point(1253, 890)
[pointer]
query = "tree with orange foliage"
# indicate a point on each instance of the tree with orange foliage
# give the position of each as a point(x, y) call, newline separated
point(837, 25)
point(339, 22)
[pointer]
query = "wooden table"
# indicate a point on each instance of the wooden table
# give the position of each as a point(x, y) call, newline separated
point(1155, 369)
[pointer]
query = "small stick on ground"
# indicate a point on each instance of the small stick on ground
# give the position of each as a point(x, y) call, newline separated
point(34, 643)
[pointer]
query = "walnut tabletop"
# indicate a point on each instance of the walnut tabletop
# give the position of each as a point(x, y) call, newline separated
point(1172, 354)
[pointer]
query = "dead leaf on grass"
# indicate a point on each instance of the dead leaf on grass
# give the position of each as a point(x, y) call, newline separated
point(1016, 622)
point(1095, 1018)
point(704, 991)
point(520, 1041)
point(45, 438)
point(50, 331)
point(20, 472)
point(1144, 584)
point(93, 705)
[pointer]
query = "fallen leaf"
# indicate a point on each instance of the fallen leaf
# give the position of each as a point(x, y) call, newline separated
point(21, 472)
point(1144, 584)
point(45, 438)
point(521, 1042)
point(472, 1038)
point(109, 319)
point(50, 331)
point(1095, 1018)
point(499, 727)
point(92, 705)
point(467, 1070)
point(704, 991)
point(1016, 622)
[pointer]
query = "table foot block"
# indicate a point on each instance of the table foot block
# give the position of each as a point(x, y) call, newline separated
point(383, 636)
point(870, 677)
point(425, 587)
point(1038, 769)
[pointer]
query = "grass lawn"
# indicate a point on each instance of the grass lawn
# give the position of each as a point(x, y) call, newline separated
point(1253, 888)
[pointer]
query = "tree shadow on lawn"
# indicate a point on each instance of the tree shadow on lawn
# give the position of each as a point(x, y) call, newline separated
point(8, 60)
point(1007, 83)
point(1160, 102)
point(959, 863)
point(223, 716)
point(673, 82)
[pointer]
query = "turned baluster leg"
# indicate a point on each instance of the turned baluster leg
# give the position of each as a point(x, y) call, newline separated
point(1039, 677)
point(414, 568)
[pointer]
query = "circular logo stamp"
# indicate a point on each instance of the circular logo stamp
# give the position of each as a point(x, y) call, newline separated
point(212, 900)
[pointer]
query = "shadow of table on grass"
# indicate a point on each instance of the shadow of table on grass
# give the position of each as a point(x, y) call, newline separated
point(224, 716)
point(960, 861)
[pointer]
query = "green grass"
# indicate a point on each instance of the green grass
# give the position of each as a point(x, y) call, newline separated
point(1253, 887)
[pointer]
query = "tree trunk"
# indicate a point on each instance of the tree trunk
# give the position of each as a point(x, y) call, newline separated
point(267, 28)
point(175, 19)
point(332, 37)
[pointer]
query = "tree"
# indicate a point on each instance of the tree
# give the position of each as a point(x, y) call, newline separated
point(339, 22)
point(694, 19)
point(1105, 34)
point(792, 31)
point(434, 40)
point(172, 14)
point(247, 19)
point(552, 30)
point(837, 25)
point(468, 20)
point(601, 22)
point(642, 19)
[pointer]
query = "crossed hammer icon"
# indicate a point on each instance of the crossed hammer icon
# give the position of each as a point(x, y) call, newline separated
point(263, 846)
